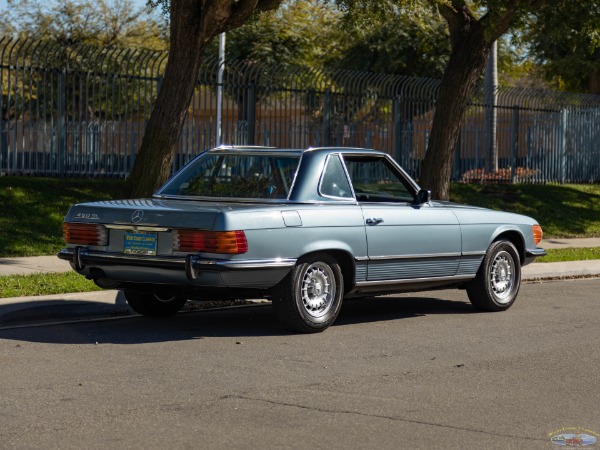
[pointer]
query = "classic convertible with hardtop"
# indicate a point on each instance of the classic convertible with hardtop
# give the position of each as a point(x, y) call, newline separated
point(305, 228)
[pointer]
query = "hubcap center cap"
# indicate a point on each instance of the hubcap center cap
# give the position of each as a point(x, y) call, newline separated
point(315, 288)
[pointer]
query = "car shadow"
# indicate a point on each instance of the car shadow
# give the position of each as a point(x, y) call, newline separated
point(236, 322)
point(378, 309)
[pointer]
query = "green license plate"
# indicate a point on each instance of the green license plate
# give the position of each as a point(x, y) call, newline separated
point(138, 243)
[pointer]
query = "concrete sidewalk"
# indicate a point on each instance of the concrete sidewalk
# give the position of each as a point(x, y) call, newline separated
point(33, 264)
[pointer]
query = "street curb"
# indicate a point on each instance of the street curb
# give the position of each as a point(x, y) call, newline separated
point(561, 270)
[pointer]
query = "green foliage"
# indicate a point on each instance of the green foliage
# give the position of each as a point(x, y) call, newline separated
point(399, 44)
point(565, 42)
point(100, 23)
point(314, 34)
point(44, 284)
point(33, 210)
point(566, 211)
point(301, 33)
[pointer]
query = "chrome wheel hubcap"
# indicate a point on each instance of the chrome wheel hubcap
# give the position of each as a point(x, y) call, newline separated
point(318, 289)
point(502, 276)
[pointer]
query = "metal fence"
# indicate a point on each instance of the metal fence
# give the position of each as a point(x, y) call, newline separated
point(81, 111)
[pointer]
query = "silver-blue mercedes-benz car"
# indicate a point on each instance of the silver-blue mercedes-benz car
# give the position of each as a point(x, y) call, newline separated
point(305, 228)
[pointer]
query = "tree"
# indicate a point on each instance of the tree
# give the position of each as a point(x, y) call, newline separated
point(397, 44)
point(565, 43)
point(73, 22)
point(300, 33)
point(99, 29)
point(473, 27)
point(310, 33)
point(193, 24)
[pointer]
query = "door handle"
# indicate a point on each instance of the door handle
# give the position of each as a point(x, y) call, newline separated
point(374, 220)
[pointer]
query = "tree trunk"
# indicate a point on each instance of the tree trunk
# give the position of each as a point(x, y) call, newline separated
point(472, 39)
point(153, 162)
point(193, 24)
point(466, 64)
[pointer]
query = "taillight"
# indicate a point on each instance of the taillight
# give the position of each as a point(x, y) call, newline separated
point(85, 233)
point(230, 242)
point(538, 234)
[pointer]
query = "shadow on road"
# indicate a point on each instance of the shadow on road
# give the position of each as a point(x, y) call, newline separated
point(251, 321)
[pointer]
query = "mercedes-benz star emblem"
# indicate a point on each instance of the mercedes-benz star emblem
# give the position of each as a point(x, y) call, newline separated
point(137, 216)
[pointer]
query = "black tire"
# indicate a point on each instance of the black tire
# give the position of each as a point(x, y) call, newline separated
point(309, 298)
point(497, 283)
point(154, 304)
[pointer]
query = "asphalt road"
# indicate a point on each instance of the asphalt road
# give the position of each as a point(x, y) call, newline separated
point(422, 371)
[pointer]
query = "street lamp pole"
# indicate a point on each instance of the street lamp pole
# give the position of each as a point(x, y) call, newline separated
point(220, 89)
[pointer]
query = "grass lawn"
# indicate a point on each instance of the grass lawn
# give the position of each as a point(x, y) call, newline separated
point(33, 208)
point(44, 284)
point(570, 254)
point(564, 211)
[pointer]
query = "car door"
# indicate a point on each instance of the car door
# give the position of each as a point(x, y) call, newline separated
point(404, 240)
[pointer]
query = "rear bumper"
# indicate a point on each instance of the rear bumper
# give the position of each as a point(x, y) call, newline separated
point(191, 269)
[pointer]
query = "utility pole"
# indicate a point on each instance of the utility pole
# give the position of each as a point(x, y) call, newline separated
point(491, 113)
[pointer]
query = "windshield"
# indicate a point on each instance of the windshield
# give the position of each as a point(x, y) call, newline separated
point(248, 176)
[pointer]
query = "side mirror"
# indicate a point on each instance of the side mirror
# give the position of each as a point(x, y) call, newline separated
point(423, 196)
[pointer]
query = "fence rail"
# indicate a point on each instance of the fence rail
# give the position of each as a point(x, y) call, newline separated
point(82, 111)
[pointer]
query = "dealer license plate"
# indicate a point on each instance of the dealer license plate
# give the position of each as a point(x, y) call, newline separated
point(138, 243)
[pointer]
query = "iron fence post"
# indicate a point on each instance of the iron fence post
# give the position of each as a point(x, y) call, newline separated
point(251, 114)
point(61, 130)
point(397, 124)
point(514, 139)
point(563, 145)
point(456, 159)
point(325, 131)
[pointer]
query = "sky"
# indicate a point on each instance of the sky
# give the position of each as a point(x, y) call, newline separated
point(136, 2)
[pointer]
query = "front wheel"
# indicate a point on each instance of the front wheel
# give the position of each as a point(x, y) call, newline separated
point(496, 285)
point(154, 304)
point(309, 298)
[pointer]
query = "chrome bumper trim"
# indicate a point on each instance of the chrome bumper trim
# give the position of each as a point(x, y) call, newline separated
point(536, 252)
point(473, 253)
point(245, 264)
point(82, 257)
point(422, 256)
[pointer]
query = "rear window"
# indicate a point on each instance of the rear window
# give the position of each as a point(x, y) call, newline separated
point(249, 176)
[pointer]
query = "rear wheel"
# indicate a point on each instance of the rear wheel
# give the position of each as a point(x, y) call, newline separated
point(154, 304)
point(498, 280)
point(309, 298)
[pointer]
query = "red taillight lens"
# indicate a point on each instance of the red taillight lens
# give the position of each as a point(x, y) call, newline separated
point(230, 242)
point(538, 234)
point(85, 234)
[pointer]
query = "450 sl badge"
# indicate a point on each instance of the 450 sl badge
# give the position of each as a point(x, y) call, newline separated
point(87, 216)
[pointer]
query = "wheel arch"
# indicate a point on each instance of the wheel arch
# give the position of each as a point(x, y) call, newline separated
point(344, 259)
point(516, 238)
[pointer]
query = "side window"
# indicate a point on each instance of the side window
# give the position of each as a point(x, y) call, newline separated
point(334, 182)
point(375, 180)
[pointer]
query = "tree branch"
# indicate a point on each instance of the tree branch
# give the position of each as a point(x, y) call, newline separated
point(459, 17)
point(495, 29)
